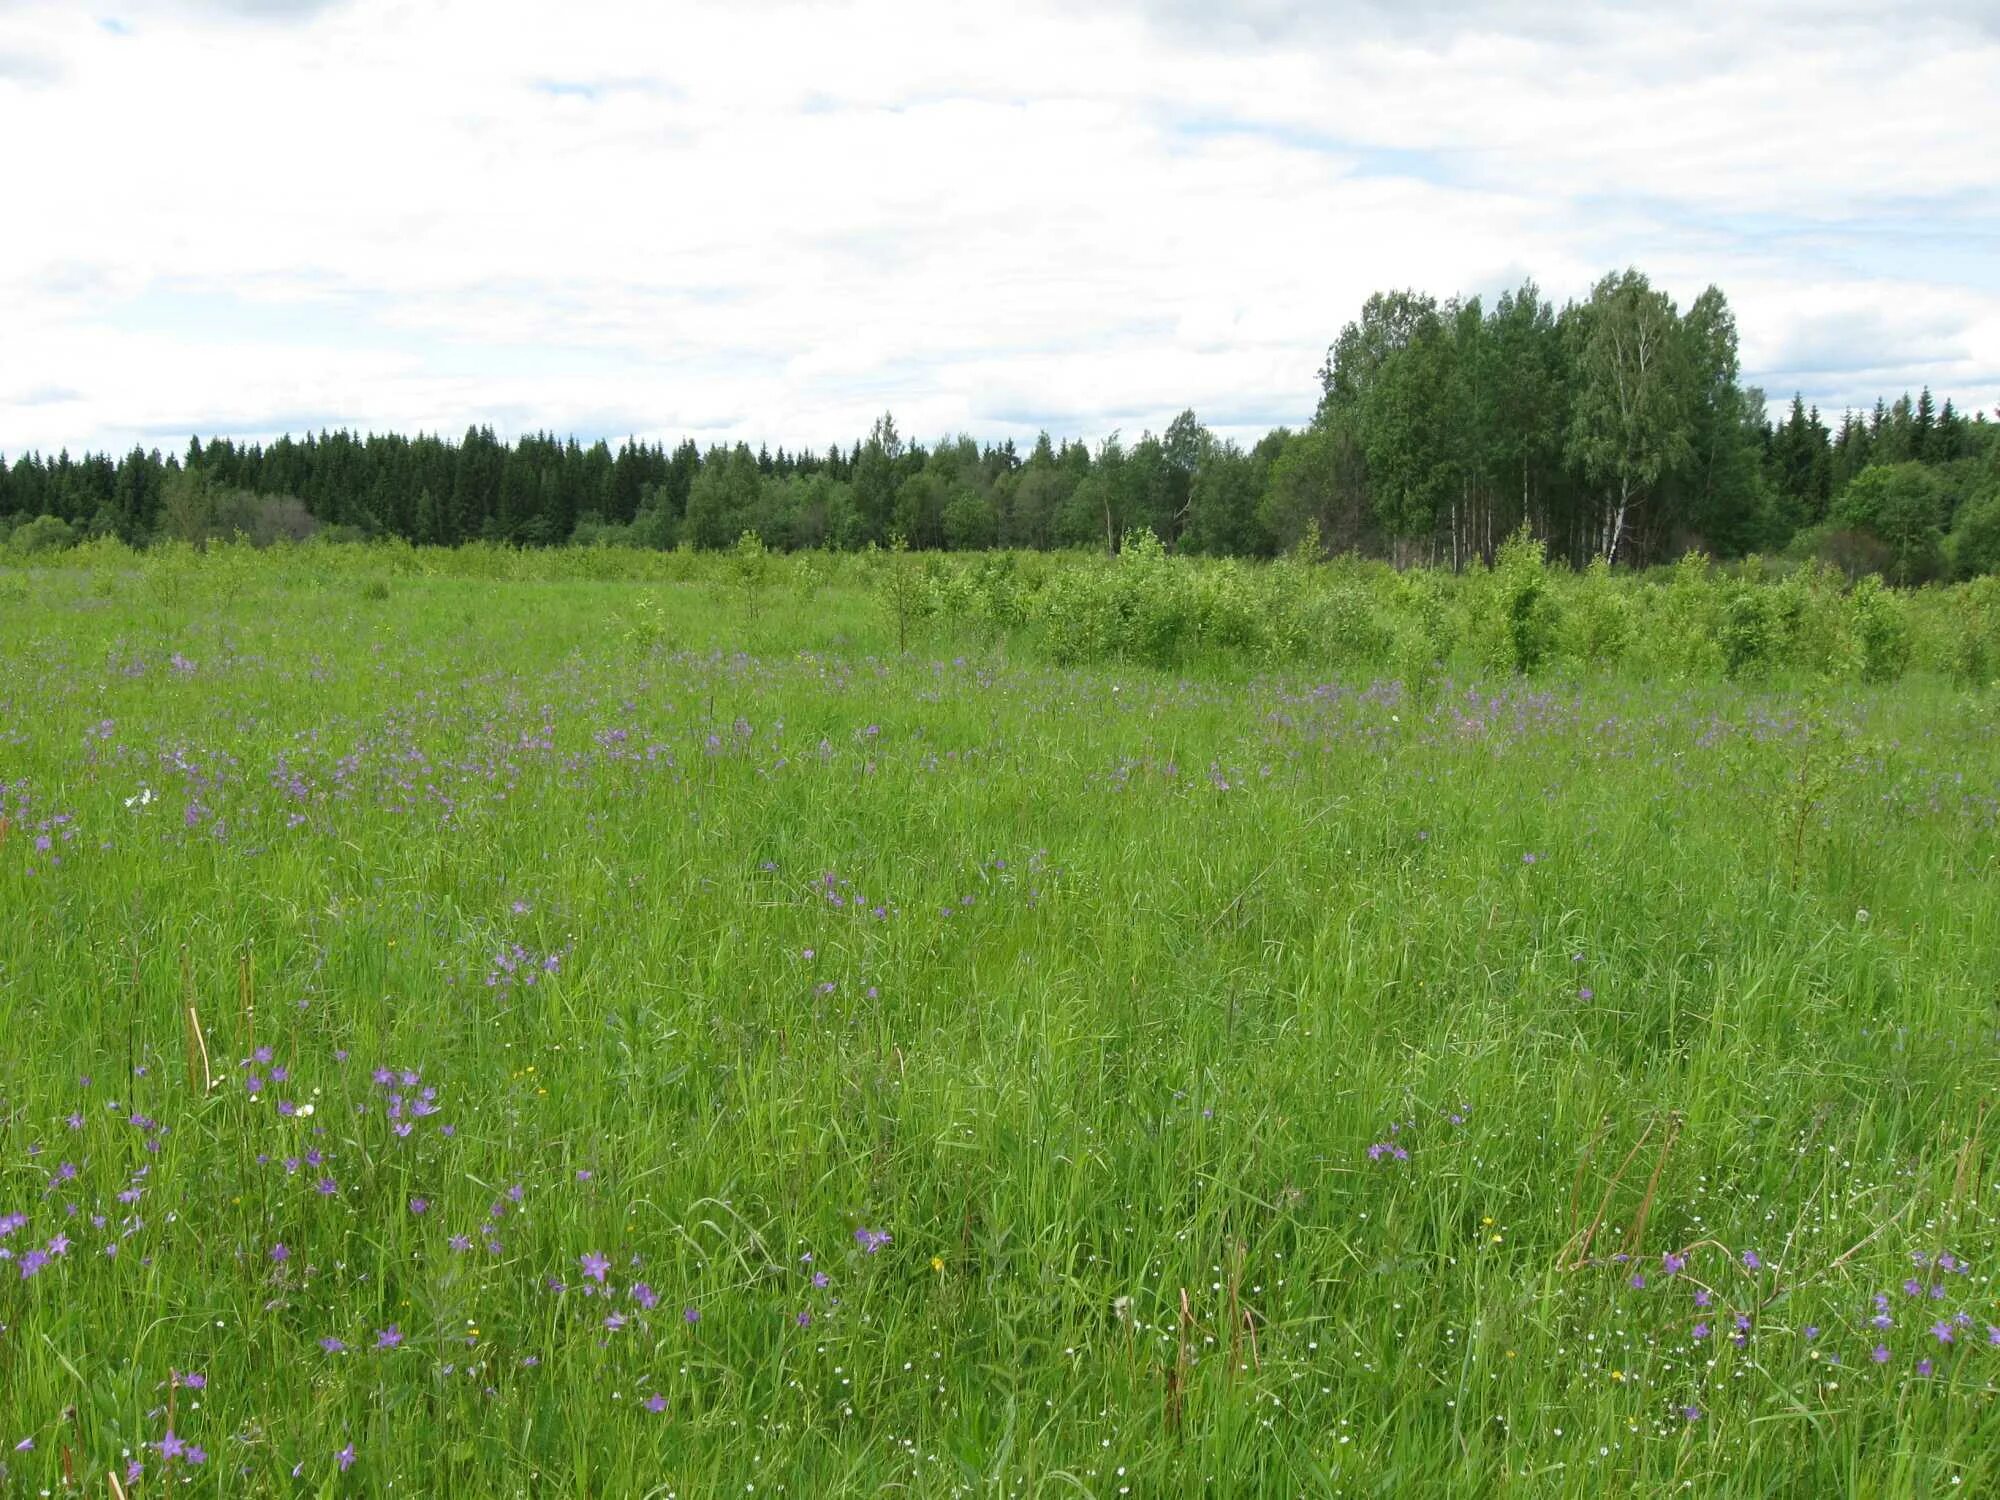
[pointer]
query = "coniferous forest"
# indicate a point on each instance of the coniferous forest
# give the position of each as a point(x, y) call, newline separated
point(1614, 427)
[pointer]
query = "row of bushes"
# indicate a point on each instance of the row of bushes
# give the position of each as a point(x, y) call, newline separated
point(1523, 615)
point(1693, 620)
point(194, 513)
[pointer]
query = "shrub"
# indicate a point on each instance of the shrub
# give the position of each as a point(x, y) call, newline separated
point(1347, 629)
point(1680, 636)
point(970, 524)
point(43, 534)
point(904, 591)
point(1972, 640)
point(1749, 631)
point(1881, 631)
point(1075, 617)
point(1156, 601)
point(1809, 620)
point(1524, 619)
point(1597, 621)
point(1903, 505)
point(1974, 545)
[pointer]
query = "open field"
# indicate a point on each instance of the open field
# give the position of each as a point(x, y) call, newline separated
point(596, 1037)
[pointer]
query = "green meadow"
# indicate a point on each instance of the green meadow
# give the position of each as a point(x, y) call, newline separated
point(645, 1025)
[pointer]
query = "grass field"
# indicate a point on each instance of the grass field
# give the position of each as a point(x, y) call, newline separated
point(472, 1039)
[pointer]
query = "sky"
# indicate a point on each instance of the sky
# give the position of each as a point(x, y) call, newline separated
point(774, 222)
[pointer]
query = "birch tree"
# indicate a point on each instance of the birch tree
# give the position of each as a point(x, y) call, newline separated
point(1630, 424)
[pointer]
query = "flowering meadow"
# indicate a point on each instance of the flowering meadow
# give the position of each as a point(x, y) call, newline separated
point(750, 1035)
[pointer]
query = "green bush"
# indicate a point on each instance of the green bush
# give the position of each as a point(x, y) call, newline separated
point(1680, 634)
point(1973, 548)
point(1075, 618)
point(1972, 632)
point(1524, 620)
point(1597, 618)
point(1810, 621)
point(43, 534)
point(906, 593)
point(1346, 630)
point(1903, 505)
point(1749, 631)
point(1881, 631)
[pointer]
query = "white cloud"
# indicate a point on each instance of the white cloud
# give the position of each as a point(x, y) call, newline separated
point(775, 220)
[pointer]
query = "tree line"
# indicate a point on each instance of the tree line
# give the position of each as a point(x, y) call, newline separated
point(1613, 427)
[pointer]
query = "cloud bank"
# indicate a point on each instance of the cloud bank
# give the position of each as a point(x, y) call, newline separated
point(774, 221)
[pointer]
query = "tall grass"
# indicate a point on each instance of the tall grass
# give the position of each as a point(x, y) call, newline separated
point(648, 1035)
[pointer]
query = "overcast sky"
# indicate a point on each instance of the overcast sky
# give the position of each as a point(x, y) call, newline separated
point(773, 222)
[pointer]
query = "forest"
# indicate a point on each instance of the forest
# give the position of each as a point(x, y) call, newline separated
point(1614, 427)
